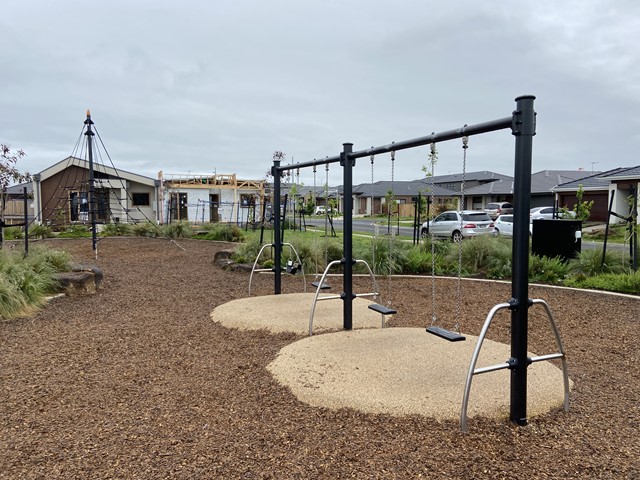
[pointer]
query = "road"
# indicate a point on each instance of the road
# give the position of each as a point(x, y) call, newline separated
point(362, 225)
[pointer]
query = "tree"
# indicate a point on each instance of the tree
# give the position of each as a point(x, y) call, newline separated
point(582, 208)
point(9, 173)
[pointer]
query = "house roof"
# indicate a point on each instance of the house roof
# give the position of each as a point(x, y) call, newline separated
point(400, 188)
point(545, 180)
point(594, 182)
point(19, 189)
point(499, 187)
point(481, 176)
point(82, 163)
point(631, 173)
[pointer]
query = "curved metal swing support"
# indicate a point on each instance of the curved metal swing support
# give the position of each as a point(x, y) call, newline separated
point(506, 365)
point(255, 263)
point(317, 297)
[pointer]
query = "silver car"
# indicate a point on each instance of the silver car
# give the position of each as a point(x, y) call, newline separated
point(495, 209)
point(459, 225)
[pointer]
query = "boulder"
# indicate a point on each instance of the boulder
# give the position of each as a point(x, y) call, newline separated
point(77, 283)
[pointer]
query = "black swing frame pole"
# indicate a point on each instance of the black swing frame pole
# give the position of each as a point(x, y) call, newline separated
point(524, 128)
point(277, 236)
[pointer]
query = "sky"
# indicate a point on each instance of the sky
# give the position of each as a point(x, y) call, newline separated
point(217, 86)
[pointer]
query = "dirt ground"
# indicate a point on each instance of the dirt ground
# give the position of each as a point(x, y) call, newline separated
point(136, 381)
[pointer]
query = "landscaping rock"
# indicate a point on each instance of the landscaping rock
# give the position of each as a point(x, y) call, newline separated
point(77, 283)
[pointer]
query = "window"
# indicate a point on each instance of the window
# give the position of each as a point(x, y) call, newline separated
point(140, 199)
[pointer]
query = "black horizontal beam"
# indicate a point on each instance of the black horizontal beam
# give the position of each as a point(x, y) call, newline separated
point(466, 131)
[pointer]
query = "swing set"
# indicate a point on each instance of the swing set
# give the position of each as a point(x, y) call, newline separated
point(522, 123)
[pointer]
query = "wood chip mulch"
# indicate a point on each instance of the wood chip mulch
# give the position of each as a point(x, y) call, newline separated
point(136, 382)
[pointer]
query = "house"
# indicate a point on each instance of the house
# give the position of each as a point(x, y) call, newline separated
point(372, 197)
point(61, 194)
point(598, 187)
point(501, 190)
point(14, 205)
point(209, 198)
point(616, 188)
point(624, 189)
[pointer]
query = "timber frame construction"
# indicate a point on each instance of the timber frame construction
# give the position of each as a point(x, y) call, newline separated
point(217, 180)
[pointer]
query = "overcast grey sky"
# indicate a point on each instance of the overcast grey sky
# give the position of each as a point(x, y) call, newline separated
point(219, 85)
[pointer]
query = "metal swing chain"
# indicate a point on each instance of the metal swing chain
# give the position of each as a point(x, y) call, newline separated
point(391, 237)
point(373, 223)
point(465, 146)
point(315, 203)
point(326, 215)
point(432, 160)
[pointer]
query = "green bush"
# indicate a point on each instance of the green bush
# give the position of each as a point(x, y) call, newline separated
point(146, 229)
point(116, 230)
point(623, 282)
point(40, 231)
point(24, 281)
point(589, 263)
point(177, 230)
point(223, 233)
point(248, 251)
point(75, 231)
point(476, 254)
point(547, 270)
point(12, 233)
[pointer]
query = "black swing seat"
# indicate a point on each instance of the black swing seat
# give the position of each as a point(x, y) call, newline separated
point(382, 309)
point(324, 286)
point(446, 334)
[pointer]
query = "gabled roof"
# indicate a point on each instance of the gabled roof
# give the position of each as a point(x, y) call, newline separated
point(545, 180)
point(594, 182)
point(481, 176)
point(400, 188)
point(631, 173)
point(79, 162)
point(499, 187)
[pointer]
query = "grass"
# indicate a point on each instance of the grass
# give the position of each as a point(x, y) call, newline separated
point(26, 281)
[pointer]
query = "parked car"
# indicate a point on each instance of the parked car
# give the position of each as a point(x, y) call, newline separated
point(546, 213)
point(321, 210)
point(495, 209)
point(504, 225)
point(459, 225)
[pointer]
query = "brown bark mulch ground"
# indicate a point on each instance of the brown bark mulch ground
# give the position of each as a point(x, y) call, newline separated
point(136, 381)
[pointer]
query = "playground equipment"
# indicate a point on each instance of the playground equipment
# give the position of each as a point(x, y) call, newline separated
point(291, 266)
point(456, 335)
point(522, 123)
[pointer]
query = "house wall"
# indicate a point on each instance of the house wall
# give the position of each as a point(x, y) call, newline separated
point(54, 194)
point(55, 190)
point(230, 209)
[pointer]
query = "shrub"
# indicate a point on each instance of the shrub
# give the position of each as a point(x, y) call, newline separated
point(387, 255)
point(75, 231)
point(40, 231)
point(224, 233)
point(12, 233)
point(623, 282)
point(146, 229)
point(589, 263)
point(177, 230)
point(24, 281)
point(547, 270)
point(116, 230)
point(248, 251)
point(476, 254)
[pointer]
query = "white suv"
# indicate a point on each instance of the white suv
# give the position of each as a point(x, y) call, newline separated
point(459, 225)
